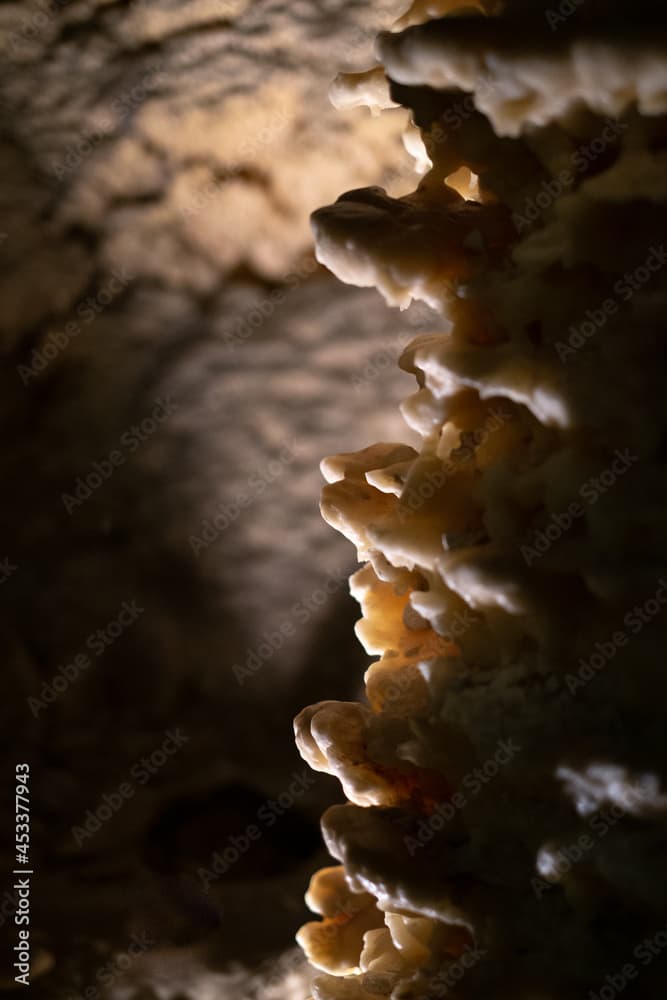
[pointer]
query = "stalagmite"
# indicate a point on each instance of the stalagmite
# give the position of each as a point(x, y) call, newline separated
point(506, 829)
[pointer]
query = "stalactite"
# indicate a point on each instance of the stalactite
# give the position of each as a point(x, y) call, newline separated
point(505, 834)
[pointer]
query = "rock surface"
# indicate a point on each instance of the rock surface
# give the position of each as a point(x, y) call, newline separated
point(175, 364)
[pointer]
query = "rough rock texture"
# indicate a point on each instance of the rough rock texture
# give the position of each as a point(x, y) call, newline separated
point(159, 164)
point(177, 143)
point(506, 829)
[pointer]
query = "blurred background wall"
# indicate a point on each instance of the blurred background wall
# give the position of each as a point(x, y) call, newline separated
point(175, 364)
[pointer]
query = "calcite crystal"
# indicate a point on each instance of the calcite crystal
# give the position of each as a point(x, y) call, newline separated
point(506, 829)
